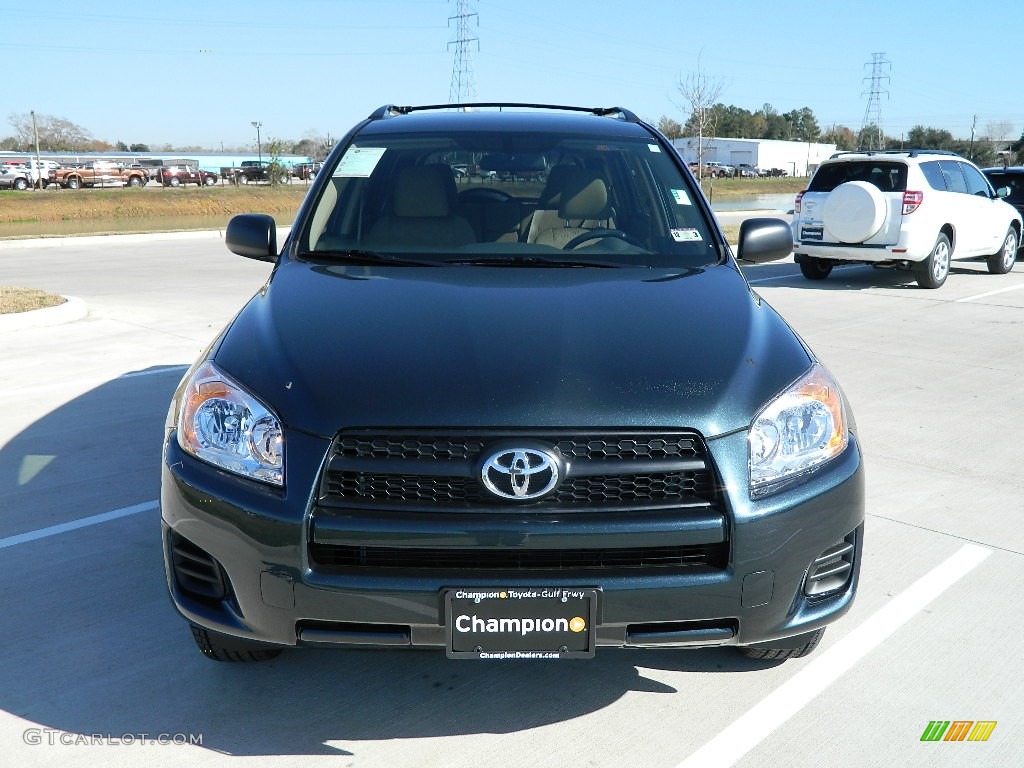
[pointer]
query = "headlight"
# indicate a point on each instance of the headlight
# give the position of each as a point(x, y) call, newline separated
point(799, 430)
point(221, 423)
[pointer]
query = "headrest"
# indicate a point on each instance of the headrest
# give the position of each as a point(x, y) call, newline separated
point(584, 196)
point(424, 191)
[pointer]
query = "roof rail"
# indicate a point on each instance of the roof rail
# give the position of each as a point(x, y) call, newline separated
point(907, 152)
point(391, 110)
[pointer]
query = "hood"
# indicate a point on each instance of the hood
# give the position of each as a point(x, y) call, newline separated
point(474, 346)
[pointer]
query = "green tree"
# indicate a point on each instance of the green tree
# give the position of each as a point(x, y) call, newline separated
point(277, 171)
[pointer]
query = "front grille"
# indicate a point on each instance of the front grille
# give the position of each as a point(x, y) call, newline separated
point(349, 558)
point(440, 470)
point(387, 500)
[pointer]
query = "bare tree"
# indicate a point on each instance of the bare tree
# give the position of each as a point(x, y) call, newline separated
point(700, 93)
point(55, 133)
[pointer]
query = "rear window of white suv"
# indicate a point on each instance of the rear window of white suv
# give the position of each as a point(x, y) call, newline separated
point(887, 176)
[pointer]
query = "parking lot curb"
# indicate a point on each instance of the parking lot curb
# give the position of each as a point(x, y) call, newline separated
point(72, 309)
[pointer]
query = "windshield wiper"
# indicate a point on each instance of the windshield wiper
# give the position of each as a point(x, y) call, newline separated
point(358, 256)
point(527, 261)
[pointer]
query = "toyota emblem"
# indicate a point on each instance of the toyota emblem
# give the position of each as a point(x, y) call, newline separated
point(520, 473)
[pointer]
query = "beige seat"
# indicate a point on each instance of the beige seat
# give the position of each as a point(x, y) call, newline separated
point(583, 206)
point(546, 214)
point(422, 212)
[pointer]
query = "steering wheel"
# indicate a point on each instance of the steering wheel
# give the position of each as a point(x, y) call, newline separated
point(485, 194)
point(600, 234)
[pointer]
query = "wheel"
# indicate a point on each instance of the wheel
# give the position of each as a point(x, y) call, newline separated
point(209, 180)
point(807, 645)
point(174, 181)
point(599, 234)
point(73, 183)
point(21, 184)
point(1001, 262)
point(224, 648)
point(134, 181)
point(243, 179)
point(933, 271)
point(815, 269)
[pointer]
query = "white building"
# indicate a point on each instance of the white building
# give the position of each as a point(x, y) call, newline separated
point(796, 158)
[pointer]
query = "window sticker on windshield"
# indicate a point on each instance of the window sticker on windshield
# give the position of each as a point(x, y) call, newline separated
point(359, 161)
point(680, 196)
point(654, 148)
point(685, 235)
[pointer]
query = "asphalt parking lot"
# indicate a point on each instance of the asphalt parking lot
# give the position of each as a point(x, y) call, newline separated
point(98, 670)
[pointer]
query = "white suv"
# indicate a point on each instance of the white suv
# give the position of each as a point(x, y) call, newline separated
point(911, 209)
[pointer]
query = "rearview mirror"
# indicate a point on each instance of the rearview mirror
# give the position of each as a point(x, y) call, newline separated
point(253, 235)
point(764, 240)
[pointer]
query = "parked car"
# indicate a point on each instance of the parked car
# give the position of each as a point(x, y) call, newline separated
point(306, 171)
point(14, 177)
point(1012, 179)
point(438, 425)
point(910, 209)
point(747, 170)
point(176, 175)
point(718, 170)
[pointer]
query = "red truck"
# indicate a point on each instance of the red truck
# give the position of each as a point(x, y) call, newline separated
point(176, 175)
point(98, 173)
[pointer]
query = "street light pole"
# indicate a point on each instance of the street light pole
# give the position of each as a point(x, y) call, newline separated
point(259, 147)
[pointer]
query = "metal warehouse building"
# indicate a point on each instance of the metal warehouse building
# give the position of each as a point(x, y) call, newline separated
point(796, 158)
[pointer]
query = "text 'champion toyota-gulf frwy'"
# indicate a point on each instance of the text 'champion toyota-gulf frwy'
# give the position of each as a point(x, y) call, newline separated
point(506, 393)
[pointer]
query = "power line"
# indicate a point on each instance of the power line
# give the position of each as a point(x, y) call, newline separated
point(463, 88)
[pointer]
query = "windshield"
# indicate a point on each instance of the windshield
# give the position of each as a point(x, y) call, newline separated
point(527, 199)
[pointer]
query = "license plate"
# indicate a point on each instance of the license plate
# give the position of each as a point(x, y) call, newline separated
point(812, 233)
point(520, 623)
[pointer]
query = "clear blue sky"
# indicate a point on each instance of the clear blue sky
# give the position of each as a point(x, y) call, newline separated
point(186, 72)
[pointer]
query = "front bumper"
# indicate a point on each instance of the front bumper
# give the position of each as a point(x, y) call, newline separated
point(249, 547)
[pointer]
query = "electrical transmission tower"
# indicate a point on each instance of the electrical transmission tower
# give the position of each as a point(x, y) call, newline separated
point(871, 127)
point(463, 88)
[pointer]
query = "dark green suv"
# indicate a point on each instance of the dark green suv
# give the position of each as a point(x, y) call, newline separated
point(522, 411)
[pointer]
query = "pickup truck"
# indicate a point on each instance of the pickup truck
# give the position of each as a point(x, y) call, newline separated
point(253, 171)
point(100, 173)
point(176, 175)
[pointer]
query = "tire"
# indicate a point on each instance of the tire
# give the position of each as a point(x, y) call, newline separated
point(243, 179)
point(933, 271)
point(815, 269)
point(174, 181)
point(134, 181)
point(853, 212)
point(811, 642)
point(229, 649)
point(21, 184)
point(1002, 261)
point(209, 180)
point(73, 183)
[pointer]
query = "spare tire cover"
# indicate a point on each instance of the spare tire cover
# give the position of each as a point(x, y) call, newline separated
point(854, 211)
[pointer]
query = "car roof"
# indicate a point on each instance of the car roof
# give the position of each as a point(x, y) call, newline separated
point(896, 154)
point(515, 118)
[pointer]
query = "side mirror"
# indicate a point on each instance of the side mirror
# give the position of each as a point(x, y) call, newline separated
point(1003, 192)
point(253, 235)
point(764, 240)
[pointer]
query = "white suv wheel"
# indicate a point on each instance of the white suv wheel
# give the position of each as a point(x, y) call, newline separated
point(933, 271)
point(854, 211)
point(1001, 262)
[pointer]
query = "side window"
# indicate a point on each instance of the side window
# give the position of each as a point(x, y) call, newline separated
point(976, 184)
point(955, 181)
point(933, 175)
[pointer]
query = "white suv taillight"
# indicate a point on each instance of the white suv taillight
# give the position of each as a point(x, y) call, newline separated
point(796, 205)
point(912, 201)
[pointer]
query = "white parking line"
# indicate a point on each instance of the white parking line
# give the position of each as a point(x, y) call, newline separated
point(989, 293)
point(74, 525)
point(776, 708)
